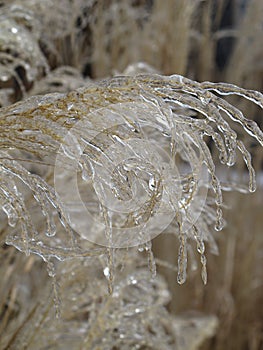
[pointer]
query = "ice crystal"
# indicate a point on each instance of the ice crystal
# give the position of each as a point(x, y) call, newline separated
point(31, 36)
point(21, 59)
point(113, 164)
point(130, 159)
point(133, 317)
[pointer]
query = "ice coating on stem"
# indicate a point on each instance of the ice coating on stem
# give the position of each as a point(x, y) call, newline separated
point(137, 147)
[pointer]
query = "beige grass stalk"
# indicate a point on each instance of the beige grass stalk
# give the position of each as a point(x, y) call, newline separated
point(166, 37)
point(246, 60)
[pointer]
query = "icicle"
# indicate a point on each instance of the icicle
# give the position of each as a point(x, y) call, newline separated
point(201, 250)
point(204, 270)
point(214, 181)
point(247, 159)
point(27, 227)
point(85, 174)
point(151, 259)
point(11, 214)
point(182, 253)
point(219, 219)
point(230, 89)
point(250, 126)
point(109, 270)
point(130, 112)
point(218, 143)
point(51, 226)
point(55, 287)
point(211, 113)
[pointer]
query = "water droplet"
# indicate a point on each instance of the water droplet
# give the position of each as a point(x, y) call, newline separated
point(219, 220)
point(152, 184)
point(14, 30)
point(51, 227)
point(200, 247)
point(51, 232)
point(106, 272)
point(85, 174)
point(181, 278)
point(4, 78)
